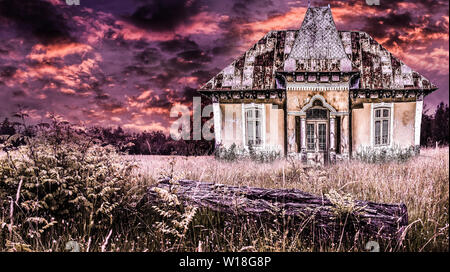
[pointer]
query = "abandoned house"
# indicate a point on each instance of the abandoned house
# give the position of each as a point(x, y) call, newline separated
point(317, 93)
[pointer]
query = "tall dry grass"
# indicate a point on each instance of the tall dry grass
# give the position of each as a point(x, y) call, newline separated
point(421, 183)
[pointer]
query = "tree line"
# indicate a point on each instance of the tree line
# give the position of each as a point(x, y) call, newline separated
point(435, 126)
point(133, 143)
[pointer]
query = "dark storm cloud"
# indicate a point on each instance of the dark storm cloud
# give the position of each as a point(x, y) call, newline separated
point(101, 96)
point(381, 26)
point(162, 101)
point(178, 44)
point(232, 36)
point(180, 64)
point(432, 28)
point(250, 8)
point(195, 55)
point(41, 18)
point(145, 63)
point(148, 56)
point(137, 70)
point(164, 15)
point(163, 79)
point(110, 106)
point(188, 93)
point(7, 71)
point(140, 44)
point(204, 75)
point(18, 93)
point(395, 26)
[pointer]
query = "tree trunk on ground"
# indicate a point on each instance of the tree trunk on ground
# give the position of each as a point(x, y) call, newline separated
point(315, 215)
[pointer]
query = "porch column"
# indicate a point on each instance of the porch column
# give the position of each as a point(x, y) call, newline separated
point(332, 144)
point(417, 125)
point(303, 138)
point(217, 123)
point(332, 125)
point(302, 133)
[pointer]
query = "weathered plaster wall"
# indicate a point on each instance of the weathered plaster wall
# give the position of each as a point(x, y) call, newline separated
point(404, 118)
point(231, 124)
point(403, 125)
point(275, 127)
point(361, 126)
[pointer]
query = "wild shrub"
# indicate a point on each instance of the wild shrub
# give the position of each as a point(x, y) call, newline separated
point(234, 153)
point(385, 154)
point(61, 184)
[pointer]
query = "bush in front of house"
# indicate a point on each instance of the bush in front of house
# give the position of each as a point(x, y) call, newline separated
point(395, 153)
point(234, 153)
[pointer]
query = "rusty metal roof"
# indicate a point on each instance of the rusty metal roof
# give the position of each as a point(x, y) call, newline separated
point(317, 47)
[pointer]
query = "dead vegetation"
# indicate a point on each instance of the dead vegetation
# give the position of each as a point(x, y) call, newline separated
point(421, 183)
point(61, 194)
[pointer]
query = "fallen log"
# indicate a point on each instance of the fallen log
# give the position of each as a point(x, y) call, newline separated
point(325, 218)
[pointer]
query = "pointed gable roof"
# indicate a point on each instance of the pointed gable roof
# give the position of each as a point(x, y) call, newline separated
point(318, 46)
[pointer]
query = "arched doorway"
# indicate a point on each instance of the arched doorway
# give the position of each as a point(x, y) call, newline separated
point(317, 131)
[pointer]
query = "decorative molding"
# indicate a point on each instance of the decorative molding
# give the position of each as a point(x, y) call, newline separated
point(302, 114)
point(317, 86)
point(221, 95)
point(387, 93)
point(324, 103)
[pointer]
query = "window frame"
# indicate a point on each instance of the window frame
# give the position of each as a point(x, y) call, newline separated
point(313, 141)
point(262, 119)
point(381, 107)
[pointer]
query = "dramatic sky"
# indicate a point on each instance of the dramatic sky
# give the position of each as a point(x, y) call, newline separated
point(117, 62)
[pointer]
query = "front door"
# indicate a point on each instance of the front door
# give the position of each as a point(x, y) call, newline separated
point(317, 141)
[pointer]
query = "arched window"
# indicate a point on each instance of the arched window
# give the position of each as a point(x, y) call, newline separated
point(317, 111)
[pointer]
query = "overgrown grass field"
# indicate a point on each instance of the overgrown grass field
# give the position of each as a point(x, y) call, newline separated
point(62, 188)
point(422, 184)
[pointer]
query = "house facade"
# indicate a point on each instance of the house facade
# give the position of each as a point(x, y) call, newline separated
point(318, 94)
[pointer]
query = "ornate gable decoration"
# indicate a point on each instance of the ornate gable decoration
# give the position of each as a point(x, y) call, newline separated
point(318, 46)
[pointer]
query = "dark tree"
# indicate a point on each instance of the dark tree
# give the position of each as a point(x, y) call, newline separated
point(7, 128)
point(435, 128)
